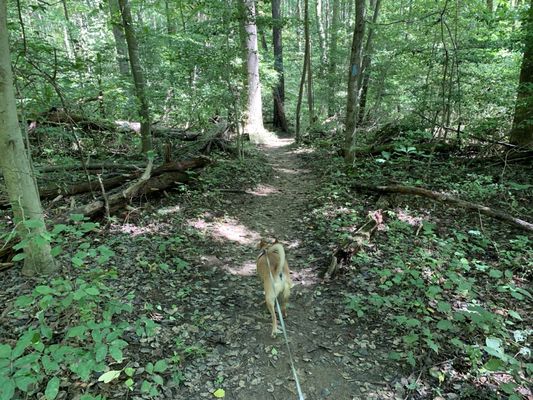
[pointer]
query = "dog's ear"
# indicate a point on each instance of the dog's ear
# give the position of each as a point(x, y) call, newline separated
point(262, 244)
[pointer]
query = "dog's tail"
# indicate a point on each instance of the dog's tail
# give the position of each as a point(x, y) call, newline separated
point(278, 248)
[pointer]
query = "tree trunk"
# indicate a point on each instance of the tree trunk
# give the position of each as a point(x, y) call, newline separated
point(307, 56)
point(254, 123)
point(17, 171)
point(353, 76)
point(364, 77)
point(321, 33)
point(522, 131)
point(280, 121)
point(332, 81)
point(138, 76)
point(120, 39)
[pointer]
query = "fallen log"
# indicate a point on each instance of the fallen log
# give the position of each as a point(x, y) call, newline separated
point(83, 187)
point(446, 198)
point(90, 167)
point(161, 178)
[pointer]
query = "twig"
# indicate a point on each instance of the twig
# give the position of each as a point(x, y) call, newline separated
point(104, 196)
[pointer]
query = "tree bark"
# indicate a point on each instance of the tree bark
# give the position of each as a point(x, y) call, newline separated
point(138, 75)
point(522, 131)
point(333, 35)
point(364, 77)
point(307, 56)
point(254, 124)
point(280, 121)
point(321, 33)
point(17, 171)
point(120, 38)
point(445, 198)
point(353, 76)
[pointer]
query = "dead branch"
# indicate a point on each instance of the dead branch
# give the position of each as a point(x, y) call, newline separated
point(445, 198)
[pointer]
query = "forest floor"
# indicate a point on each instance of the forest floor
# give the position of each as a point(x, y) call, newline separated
point(183, 264)
point(336, 358)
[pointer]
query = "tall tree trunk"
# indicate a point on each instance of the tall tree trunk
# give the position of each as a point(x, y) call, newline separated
point(69, 37)
point(280, 121)
point(298, 27)
point(522, 131)
point(138, 76)
point(120, 38)
point(321, 33)
point(307, 56)
point(353, 74)
point(333, 35)
point(171, 24)
point(364, 76)
point(254, 124)
point(17, 171)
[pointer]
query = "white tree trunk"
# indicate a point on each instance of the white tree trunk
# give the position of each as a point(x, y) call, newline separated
point(254, 122)
point(17, 171)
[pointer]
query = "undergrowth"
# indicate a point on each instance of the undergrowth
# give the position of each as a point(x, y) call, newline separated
point(452, 290)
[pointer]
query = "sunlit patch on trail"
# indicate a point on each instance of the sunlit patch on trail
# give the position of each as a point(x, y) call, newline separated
point(245, 269)
point(263, 190)
point(134, 230)
point(169, 210)
point(226, 229)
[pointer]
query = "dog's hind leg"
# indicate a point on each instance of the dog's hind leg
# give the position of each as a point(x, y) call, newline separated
point(270, 305)
point(284, 299)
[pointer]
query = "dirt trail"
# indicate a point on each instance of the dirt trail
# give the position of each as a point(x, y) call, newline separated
point(335, 357)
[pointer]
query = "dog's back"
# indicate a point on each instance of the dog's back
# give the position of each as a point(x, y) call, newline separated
point(273, 269)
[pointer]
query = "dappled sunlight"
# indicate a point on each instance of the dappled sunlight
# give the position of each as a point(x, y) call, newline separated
point(404, 216)
point(263, 190)
point(245, 269)
point(169, 210)
point(226, 229)
point(135, 230)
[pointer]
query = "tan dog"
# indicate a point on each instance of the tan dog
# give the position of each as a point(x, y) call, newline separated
point(272, 263)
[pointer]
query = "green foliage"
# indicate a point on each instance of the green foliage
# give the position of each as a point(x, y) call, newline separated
point(441, 292)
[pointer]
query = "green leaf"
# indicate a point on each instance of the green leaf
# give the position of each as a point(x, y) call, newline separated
point(493, 365)
point(49, 365)
point(76, 331)
point(116, 353)
point(19, 257)
point(444, 307)
point(158, 379)
point(7, 389)
point(150, 368)
point(146, 386)
point(5, 351)
point(444, 325)
point(129, 383)
point(160, 366)
point(219, 393)
point(495, 273)
point(109, 376)
point(494, 343)
point(24, 301)
point(23, 382)
point(129, 371)
point(274, 351)
point(43, 289)
point(92, 291)
point(52, 388)
point(28, 359)
point(515, 315)
point(101, 352)
point(432, 345)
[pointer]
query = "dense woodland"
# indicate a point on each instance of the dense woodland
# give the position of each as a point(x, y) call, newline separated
point(147, 146)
